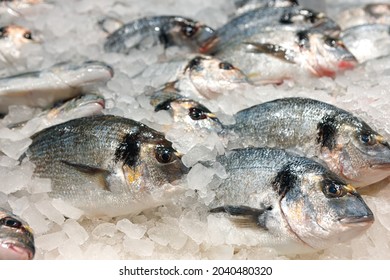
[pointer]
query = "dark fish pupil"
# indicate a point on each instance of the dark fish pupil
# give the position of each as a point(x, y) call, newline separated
point(331, 42)
point(333, 189)
point(225, 66)
point(197, 114)
point(164, 155)
point(9, 222)
point(188, 30)
point(27, 35)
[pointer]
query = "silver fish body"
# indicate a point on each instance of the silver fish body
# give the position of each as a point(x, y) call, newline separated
point(243, 6)
point(290, 203)
point(106, 165)
point(344, 142)
point(287, 54)
point(14, 7)
point(368, 41)
point(268, 19)
point(16, 238)
point(158, 30)
point(59, 82)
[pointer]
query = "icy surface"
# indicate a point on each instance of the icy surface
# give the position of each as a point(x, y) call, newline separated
point(182, 229)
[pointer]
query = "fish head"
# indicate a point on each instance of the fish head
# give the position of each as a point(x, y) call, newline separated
point(319, 208)
point(16, 238)
point(211, 76)
point(187, 32)
point(17, 34)
point(149, 161)
point(191, 113)
point(324, 55)
point(357, 152)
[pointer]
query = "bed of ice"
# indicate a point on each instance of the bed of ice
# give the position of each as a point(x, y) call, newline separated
point(181, 229)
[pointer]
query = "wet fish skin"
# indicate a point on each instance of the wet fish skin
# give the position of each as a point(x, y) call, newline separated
point(150, 31)
point(14, 6)
point(59, 82)
point(243, 6)
point(16, 238)
point(106, 165)
point(368, 41)
point(287, 202)
point(344, 142)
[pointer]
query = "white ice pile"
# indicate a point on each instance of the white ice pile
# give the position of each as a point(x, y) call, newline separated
point(182, 229)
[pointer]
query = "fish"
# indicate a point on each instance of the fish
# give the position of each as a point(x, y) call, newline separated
point(16, 238)
point(187, 111)
point(106, 165)
point(287, 202)
point(372, 13)
point(43, 88)
point(267, 19)
point(367, 41)
point(283, 54)
point(167, 31)
point(343, 142)
point(78, 107)
point(243, 6)
point(12, 38)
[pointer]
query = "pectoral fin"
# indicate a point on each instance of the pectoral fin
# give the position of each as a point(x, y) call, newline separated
point(271, 49)
point(244, 216)
point(96, 175)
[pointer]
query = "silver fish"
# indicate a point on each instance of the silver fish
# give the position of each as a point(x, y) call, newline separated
point(106, 165)
point(286, 54)
point(368, 41)
point(373, 13)
point(243, 6)
point(344, 142)
point(265, 20)
point(290, 203)
point(158, 30)
point(16, 238)
point(59, 82)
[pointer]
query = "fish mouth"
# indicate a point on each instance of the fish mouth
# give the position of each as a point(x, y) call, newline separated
point(209, 44)
point(205, 34)
point(358, 221)
point(17, 251)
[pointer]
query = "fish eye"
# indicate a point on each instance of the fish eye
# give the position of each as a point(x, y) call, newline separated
point(10, 222)
point(332, 190)
point(188, 30)
point(197, 114)
point(368, 139)
point(226, 66)
point(27, 35)
point(164, 155)
point(331, 42)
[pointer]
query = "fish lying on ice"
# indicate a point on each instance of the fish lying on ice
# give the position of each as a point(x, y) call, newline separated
point(14, 7)
point(106, 165)
point(59, 82)
point(290, 203)
point(348, 145)
point(16, 238)
point(243, 6)
point(158, 30)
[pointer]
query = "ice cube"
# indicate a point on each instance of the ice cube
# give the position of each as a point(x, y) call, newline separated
point(75, 232)
point(66, 209)
point(104, 229)
point(50, 241)
point(131, 230)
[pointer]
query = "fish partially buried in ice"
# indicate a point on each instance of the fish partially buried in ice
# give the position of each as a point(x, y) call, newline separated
point(287, 202)
point(348, 145)
point(16, 238)
point(106, 165)
point(168, 31)
point(59, 82)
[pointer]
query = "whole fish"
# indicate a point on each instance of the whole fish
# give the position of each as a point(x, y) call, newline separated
point(344, 142)
point(373, 13)
point(158, 30)
point(12, 38)
point(16, 238)
point(78, 107)
point(59, 82)
point(290, 203)
point(268, 19)
point(368, 41)
point(106, 165)
point(284, 54)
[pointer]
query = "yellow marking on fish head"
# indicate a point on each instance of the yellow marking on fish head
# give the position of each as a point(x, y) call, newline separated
point(132, 174)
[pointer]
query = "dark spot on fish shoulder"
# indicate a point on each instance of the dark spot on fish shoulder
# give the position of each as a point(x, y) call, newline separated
point(284, 180)
point(327, 130)
point(128, 150)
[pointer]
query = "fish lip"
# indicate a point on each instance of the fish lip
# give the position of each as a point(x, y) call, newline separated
point(19, 247)
point(206, 33)
point(358, 221)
